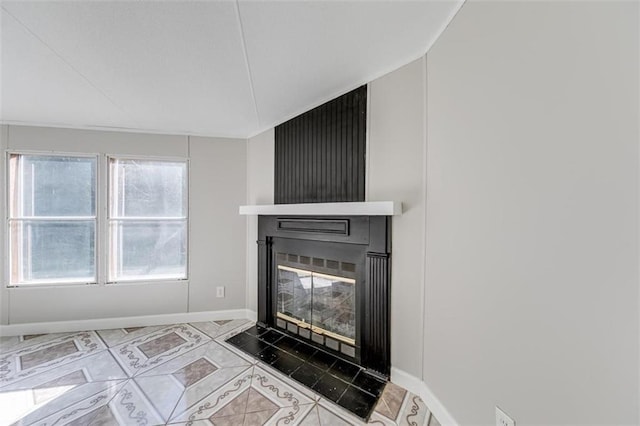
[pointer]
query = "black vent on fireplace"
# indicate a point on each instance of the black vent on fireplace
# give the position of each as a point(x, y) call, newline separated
point(320, 155)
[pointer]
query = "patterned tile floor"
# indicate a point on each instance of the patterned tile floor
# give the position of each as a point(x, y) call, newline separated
point(348, 385)
point(183, 374)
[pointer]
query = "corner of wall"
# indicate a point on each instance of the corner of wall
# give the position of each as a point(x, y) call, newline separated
point(4, 294)
point(260, 186)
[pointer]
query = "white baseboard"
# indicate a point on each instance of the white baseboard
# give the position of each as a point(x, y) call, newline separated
point(420, 388)
point(251, 315)
point(136, 321)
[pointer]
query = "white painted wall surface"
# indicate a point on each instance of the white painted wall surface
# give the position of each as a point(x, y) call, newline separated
point(218, 232)
point(4, 295)
point(395, 171)
point(210, 264)
point(532, 213)
point(260, 186)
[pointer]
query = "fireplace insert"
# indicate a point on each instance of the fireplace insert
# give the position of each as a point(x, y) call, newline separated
point(326, 280)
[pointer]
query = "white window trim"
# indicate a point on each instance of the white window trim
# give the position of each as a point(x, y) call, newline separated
point(101, 249)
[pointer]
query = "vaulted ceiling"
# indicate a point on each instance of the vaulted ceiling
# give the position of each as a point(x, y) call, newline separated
point(219, 68)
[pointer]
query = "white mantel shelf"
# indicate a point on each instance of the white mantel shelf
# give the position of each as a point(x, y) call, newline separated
point(368, 208)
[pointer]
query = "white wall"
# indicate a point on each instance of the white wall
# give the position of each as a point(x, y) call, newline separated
point(395, 171)
point(260, 186)
point(4, 295)
point(218, 233)
point(532, 213)
point(212, 196)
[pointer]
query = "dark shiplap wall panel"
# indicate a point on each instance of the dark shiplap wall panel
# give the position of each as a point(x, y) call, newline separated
point(320, 155)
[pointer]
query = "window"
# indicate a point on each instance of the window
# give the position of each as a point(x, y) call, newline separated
point(59, 234)
point(147, 220)
point(52, 219)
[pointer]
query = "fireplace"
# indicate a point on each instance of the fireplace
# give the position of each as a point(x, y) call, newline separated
point(326, 280)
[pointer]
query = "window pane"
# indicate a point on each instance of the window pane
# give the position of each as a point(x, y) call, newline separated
point(59, 251)
point(148, 188)
point(148, 250)
point(52, 186)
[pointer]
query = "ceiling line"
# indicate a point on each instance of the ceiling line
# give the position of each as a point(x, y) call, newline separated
point(64, 60)
point(246, 61)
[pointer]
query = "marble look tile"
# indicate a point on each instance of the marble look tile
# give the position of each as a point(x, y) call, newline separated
point(238, 352)
point(100, 366)
point(24, 362)
point(309, 393)
point(8, 342)
point(248, 401)
point(117, 336)
point(215, 401)
point(312, 418)
point(433, 421)
point(201, 390)
point(33, 359)
point(99, 416)
point(328, 416)
point(182, 376)
point(131, 407)
point(378, 419)
point(390, 401)
point(216, 329)
point(162, 345)
point(215, 353)
point(31, 336)
point(194, 372)
point(328, 412)
point(163, 392)
point(413, 411)
point(254, 391)
point(72, 402)
point(18, 342)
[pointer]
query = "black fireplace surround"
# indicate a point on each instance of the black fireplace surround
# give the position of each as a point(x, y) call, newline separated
point(362, 245)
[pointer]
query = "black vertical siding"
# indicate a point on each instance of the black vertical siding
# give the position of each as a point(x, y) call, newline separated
point(320, 155)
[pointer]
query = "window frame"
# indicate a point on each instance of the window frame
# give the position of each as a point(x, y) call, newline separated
point(102, 190)
point(107, 218)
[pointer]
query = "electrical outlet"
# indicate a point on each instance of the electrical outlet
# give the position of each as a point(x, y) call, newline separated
point(220, 291)
point(503, 419)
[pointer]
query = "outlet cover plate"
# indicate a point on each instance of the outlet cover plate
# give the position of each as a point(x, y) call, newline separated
point(220, 291)
point(503, 419)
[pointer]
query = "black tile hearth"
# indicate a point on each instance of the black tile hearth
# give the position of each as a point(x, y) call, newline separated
point(358, 401)
point(286, 343)
point(344, 370)
point(269, 354)
point(322, 360)
point(368, 383)
point(254, 346)
point(307, 374)
point(303, 351)
point(330, 387)
point(271, 336)
point(256, 330)
point(342, 382)
point(287, 364)
point(240, 340)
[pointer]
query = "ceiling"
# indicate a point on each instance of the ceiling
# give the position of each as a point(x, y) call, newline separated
point(216, 68)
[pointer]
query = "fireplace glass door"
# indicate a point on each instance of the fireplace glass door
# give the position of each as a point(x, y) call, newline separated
point(325, 304)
